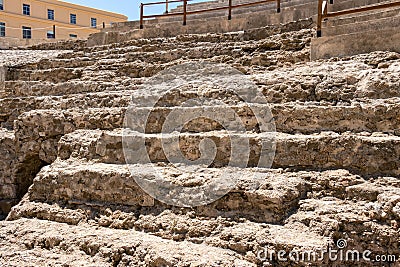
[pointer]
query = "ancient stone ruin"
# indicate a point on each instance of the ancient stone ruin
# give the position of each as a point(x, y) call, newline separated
point(69, 198)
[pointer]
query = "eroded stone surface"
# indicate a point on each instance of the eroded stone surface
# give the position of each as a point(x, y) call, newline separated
point(335, 173)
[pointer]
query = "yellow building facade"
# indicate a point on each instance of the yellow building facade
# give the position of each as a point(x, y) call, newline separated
point(33, 21)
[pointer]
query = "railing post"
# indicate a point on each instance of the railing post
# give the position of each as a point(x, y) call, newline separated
point(230, 10)
point(184, 11)
point(141, 16)
point(319, 20)
point(278, 6)
point(166, 6)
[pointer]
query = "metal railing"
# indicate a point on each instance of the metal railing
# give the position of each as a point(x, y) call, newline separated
point(185, 12)
point(323, 13)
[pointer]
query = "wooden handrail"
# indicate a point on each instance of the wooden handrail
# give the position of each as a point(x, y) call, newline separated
point(324, 14)
point(184, 13)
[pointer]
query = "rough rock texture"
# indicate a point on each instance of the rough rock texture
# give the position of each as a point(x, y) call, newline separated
point(335, 174)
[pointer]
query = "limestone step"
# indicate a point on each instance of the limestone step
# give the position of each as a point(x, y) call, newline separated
point(194, 40)
point(11, 108)
point(240, 236)
point(268, 10)
point(257, 195)
point(373, 191)
point(341, 5)
point(387, 22)
point(321, 217)
point(344, 45)
point(19, 88)
point(210, 4)
point(310, 82)
point(36, 137)
point(222, 14)
point(359, 17)
point(61, 62)
point(354, 221)
point(289, 118)
point(374, 154)
point(285, 7)
point(368, 76)
point(239, 22)
point(133, 63)
point(50, 75)
point(358, 33)
point(85, 245)
point(22, 57)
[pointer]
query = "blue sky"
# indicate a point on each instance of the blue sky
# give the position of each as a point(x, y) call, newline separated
point(129, 8)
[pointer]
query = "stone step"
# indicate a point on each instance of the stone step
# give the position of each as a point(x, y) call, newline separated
point(141, 62)
point(19, 88)
point(256, 194)
point(185, 41)
point(222, 14)
point(359, 17)
point(211, 4)
point(34, 134)
point(22, 57)
point(374, 191)
point(344, 45)
point(321, 217)
point(240, 22)
point(386, 23)
point(61, 62)
point(289, 118)
point(374, 154)
point(285, 6)
point(85, 245)
point(242, 237)
point(310, 82)
point(267, 10)
point(11, 108)
point(371, 76)
point(354, 221)
point(341, 5)
point(49, 75)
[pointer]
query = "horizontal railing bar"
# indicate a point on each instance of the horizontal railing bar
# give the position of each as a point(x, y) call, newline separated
point(227, 7)
point(163, 15)
point(253, 3)
point(185, 12)
point(206, 10)
point(358, 10)
point(163, 2)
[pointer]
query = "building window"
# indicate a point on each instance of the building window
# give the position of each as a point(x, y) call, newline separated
point(1, 5)
point(2, 29)
point(26, 9)
point(72, 18)
point(50, 35)
point(26, 32)
point(73, 36)
point(93, 22)
point(50, 14)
